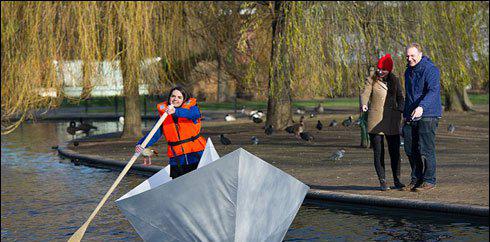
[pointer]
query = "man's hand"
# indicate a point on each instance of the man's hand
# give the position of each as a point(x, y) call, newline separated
point(417, 113)
point(170, 109)
point(364, 108)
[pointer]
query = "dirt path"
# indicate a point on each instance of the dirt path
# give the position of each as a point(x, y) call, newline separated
point(462, 157)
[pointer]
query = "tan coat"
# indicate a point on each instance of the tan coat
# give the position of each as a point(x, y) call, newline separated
point(384, 108)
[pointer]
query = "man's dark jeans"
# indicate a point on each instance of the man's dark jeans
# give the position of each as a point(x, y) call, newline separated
point(420, 146)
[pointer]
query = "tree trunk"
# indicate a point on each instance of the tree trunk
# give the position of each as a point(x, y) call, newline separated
point(279, 100)
point(465, 99)
point(132, 116)
point(452, 102)
point(86, 81)
point(222, 84)
point(226, 90)
point(457, 100)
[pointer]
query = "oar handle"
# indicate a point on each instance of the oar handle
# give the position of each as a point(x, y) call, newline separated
point(78, 235)
point(155, 128)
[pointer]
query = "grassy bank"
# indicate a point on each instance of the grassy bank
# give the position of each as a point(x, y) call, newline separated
point(95, 105)
point(476, 99)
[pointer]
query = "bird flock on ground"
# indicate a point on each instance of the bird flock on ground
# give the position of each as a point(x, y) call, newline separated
point(298, 129)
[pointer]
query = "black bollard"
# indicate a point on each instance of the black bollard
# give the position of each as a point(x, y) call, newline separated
point(86, 106)
point(115, 104)
point(235, 104)
point(145, 104)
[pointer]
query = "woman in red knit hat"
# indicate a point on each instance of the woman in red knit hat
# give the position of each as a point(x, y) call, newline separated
point(382, 98)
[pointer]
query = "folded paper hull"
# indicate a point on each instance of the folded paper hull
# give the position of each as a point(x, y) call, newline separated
point(238, 197)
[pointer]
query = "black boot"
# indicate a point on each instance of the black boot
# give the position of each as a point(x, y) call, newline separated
point(383, 185)
point(398, 184)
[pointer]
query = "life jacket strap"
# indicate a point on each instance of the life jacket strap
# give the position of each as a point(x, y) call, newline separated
point(184, 141)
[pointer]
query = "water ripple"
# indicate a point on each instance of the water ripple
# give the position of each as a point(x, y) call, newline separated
point(44, 198)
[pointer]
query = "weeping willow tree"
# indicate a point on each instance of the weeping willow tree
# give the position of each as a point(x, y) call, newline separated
point(355, 34)
point(39, 38)
point(289, 32)
point(461, 22)
point(278, 50)
point(28, 50)
point(452, 34)
point(325, 49)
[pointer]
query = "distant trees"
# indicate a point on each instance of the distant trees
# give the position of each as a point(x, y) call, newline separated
point(276, 50)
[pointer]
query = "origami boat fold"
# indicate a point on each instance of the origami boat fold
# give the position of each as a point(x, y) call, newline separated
point(238, 197)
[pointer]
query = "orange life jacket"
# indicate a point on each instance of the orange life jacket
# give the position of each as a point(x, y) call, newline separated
point(182, 137)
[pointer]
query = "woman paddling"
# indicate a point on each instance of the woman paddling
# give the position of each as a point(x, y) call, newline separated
point(182, 130)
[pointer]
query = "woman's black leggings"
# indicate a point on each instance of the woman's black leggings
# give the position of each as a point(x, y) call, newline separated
point(377, 142)
point(176, 171)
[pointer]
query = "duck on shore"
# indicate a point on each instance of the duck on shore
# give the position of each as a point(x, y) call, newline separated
point(73, 129)
point(147, 154)
point(85, 127)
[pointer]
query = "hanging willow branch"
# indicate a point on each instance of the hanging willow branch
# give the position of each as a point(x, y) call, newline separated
point(331, 45)
point(41, 39)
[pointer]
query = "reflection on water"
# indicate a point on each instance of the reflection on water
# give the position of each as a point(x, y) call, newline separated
point(102, 128)
point(46, 198)
point(345, 222)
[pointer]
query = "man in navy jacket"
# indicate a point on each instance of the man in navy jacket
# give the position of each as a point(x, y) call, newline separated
point(421, 116)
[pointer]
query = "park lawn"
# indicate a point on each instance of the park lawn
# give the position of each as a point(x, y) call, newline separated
point(353, 102)
point(108, 104)
point(262, 105)
point(478, 99)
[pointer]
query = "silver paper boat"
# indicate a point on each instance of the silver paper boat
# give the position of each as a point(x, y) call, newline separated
point(238, 197)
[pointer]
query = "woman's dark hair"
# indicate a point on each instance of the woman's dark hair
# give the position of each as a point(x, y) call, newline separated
point(391, 82)
point(186, 95)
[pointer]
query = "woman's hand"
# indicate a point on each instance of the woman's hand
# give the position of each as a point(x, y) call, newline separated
point(138, 149)
point(170, 109)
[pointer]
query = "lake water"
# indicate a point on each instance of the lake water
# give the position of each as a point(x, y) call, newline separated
point(47, 198)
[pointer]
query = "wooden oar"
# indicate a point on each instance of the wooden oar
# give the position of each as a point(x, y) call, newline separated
point(78, 235)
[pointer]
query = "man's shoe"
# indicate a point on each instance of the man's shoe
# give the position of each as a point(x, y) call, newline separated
point(399, 185)
point(383, 186)
point(425, 187)
point(410, 187)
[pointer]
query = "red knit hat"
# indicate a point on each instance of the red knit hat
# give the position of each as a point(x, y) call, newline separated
point(386, 63)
